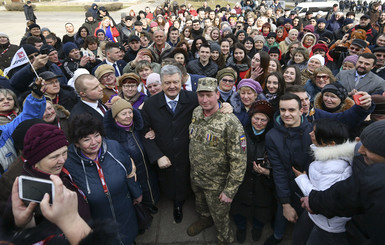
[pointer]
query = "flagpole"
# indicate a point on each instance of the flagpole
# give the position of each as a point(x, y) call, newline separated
point(33, 69)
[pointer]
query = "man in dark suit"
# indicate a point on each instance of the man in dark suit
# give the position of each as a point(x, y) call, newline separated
point(169, 114)
point(113, 58)
point(189, 81)
point(362, 79)
point(90, 92)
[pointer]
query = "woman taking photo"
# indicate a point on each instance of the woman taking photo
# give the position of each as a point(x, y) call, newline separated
point(9, 107)
point(109, 29)
point(240, 61)
point(255, 196)
point(91, 45)
point(123, 124)
point(333, 98)
point(44, 153)
point(105, 173)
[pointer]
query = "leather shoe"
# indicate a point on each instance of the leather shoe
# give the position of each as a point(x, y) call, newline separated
point(241, 236)
point(178, 214)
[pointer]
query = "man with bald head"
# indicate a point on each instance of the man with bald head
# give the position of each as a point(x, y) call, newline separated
point(90, 93)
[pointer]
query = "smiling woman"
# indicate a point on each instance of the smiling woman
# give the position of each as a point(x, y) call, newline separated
point(9, 107)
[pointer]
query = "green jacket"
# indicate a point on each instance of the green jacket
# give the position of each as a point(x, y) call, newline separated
point(217, 151)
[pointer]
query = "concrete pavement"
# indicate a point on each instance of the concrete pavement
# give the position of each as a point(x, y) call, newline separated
point(164, 231)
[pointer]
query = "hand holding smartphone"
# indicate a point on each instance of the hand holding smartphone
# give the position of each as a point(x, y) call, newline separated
point(33, 189)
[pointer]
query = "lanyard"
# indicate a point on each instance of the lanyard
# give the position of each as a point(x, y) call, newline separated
point(100, 171)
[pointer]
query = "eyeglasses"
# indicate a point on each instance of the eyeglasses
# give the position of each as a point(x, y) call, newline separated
point(129, 86)
point(260, 120)
point(108, 75)
point(324, 77)
point(227, 81)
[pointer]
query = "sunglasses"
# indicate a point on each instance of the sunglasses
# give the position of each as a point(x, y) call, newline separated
point(353, 48)
point(227, 81)
point(324, 77)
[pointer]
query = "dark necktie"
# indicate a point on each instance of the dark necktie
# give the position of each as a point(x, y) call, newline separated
point(116, 70)
point(101, 107)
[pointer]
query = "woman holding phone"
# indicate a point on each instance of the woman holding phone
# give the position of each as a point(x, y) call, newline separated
point(44, 154)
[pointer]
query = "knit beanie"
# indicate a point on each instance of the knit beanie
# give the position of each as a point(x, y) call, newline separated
point(119, 104)
point(309, 28)
point(337, 89)
point(215, 47)
point(348, 21)
point(372, 136)
point(100, 30)
point(67, 47)
point(20, 131)
point(318, 57)
point(379, 101)
point(29, 49)
point(321, 20)
point(254, 85)
point(226, 72)
point(153, 24)
point(153, 78)
point(41, 140)
point(2, 34)
point(320, 46)
point(45, 29)
point(103, 69)
point(33, 26)
point(88, 14)
point(46, 49)
point(259, 38)
point(130, 77)
point(351, 58)
point(287, 20)
point(272, 34)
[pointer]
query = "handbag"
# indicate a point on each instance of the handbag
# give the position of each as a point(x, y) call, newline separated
point(144, 216)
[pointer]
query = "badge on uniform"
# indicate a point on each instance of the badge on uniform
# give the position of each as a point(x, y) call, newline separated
point(211, 139)
point(243, 142)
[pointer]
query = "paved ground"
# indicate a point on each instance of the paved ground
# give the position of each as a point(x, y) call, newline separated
point(165, 231)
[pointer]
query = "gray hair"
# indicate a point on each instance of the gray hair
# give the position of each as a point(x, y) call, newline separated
point(169, 70)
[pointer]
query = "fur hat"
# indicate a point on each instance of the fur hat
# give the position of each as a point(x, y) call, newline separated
point(41, 140)
point(119, 104)
point(262, 106)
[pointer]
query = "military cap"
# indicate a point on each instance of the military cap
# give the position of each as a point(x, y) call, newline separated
point(207, 84)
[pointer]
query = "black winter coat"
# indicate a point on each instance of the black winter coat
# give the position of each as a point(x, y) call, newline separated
point(255, 197)
point(172, 140)
point(132, 143)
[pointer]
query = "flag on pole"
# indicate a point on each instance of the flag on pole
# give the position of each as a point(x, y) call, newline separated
point(20, 58)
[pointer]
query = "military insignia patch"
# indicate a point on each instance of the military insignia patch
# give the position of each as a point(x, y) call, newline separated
point(242, 139)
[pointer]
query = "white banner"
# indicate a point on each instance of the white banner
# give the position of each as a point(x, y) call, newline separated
point(20, 58)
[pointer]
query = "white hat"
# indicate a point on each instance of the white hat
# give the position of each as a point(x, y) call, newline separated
point(153, 78)
point(318, 57)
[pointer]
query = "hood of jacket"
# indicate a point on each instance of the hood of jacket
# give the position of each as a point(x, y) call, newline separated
point(341, 151)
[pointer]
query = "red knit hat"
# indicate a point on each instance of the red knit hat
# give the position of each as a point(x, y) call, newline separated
point(41, 140)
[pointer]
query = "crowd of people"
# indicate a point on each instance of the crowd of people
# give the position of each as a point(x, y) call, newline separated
point(264, 116)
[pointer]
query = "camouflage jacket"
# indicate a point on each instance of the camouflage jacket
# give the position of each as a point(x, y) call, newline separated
point(217, 151)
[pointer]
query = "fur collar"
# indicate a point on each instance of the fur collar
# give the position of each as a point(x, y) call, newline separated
point(324, 153)
point(347, 104)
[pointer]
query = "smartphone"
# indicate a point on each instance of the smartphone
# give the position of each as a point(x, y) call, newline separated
point(356, 98)
point(33, 189)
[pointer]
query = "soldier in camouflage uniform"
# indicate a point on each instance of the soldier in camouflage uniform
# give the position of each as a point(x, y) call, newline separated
point(218, 161)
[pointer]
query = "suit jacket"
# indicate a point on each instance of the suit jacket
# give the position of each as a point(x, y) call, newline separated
point(194, 81)
point(82, 108)
point(371, 83)
point(120, 63)
point(172, 140)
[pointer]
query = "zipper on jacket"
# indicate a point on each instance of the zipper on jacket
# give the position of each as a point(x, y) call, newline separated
point(145, 166)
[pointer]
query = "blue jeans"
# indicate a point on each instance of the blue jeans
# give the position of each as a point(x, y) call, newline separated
point(279, 222)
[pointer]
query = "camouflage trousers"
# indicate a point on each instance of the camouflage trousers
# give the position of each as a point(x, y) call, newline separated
point(207, 204)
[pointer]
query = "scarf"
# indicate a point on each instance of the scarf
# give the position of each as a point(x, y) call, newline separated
point(270, 96)
point(125, 127)
point(133, 99)
point(225, 95)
